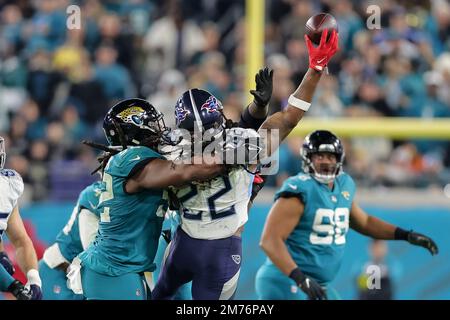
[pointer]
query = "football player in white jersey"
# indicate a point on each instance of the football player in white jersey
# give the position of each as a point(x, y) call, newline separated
point(11, 188)
point(207, 247)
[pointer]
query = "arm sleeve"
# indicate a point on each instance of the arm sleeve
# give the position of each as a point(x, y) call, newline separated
point(88, 224)
point(249, 122)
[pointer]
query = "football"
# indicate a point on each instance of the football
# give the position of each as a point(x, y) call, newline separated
point(318, 23)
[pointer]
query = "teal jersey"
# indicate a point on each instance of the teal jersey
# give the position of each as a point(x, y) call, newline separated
point(317, 242)
point(130, 224)
point(68, 238)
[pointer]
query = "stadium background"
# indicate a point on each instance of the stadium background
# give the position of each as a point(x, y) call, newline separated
point(391, 85)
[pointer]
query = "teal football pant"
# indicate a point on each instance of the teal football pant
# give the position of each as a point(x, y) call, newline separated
point(272, 284)
point(54, 284)
point(96, 286)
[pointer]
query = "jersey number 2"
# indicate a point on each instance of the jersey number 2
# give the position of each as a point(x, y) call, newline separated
point(211, 202)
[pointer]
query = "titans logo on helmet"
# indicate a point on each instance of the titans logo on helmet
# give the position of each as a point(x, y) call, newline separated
point(211, 105)
point(181, 112)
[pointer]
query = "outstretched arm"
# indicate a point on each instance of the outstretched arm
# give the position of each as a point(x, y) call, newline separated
point(299, 102)
point(376, 228)
point(160, 174)
point(256, 112)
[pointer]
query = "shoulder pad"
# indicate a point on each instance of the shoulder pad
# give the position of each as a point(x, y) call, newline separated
point(15, 181)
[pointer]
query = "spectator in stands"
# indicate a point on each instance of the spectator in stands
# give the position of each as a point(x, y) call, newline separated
point(376, 280)
point(114, 78)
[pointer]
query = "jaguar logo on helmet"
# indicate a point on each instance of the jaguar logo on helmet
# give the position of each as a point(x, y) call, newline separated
point(133, 122)
point(132, 115)
point(211, 105)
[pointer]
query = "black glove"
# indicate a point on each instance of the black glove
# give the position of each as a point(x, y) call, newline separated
point(19, 291)
point(309, 286)
point(167, 235)
point(6, 263)
point(418, 239)
point(264, 86)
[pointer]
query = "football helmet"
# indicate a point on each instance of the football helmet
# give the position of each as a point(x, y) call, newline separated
point(134, 122)
point(200, 113)
point(322, 141)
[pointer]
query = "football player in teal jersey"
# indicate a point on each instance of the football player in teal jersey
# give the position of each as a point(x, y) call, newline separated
point(75, 237)
point(305, 232)
point(132, 205)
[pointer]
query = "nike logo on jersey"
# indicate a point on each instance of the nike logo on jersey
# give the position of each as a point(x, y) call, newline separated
point(319, 61)
point(236, 258)
point(136, 158)
point(292, 186)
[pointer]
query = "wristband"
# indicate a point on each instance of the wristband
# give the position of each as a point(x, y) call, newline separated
point(298, 103)
point(297, 275)
point(249, 121)
point(33, 277)
point(401, 234)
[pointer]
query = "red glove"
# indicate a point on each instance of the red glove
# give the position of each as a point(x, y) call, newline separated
point(320, 55)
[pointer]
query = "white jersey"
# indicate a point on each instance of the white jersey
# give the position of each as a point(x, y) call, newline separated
point(11, 188)
point(216, 209)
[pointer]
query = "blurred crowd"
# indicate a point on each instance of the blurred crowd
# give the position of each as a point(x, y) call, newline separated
point(56, 84)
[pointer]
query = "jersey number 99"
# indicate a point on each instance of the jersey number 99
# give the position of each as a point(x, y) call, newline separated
point(330, 225)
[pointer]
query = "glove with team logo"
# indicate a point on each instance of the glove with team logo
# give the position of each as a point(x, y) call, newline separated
point(320, 56)
point(34, 284)
point(264, 87)
point(7, 263)
point(309, 286)
point(35, 292)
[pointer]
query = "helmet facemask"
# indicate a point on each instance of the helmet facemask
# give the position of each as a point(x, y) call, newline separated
point(325, 172)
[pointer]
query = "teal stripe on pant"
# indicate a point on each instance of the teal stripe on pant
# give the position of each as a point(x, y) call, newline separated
point(5, 279)
point(54, 284)
point(272, 284)
point(96, 286)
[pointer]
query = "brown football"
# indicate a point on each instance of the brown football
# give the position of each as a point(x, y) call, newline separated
point(318, 23)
